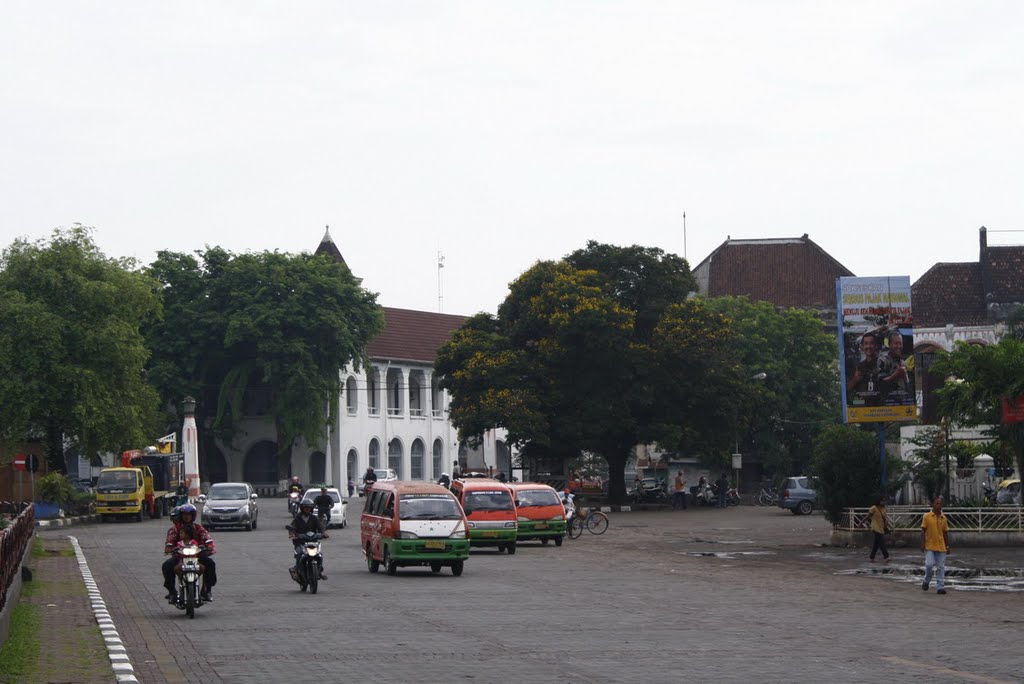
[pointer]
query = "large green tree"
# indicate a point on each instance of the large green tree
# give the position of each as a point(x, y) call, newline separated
point(71, 350)
point(595, 353)
point(799, 393)
point(267, 324)
point(981, 377)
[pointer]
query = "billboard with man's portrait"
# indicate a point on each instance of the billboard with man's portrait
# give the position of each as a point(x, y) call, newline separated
point(876, 345)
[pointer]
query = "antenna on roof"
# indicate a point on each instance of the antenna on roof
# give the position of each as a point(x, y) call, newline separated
point(684, 235)
point(440, 281)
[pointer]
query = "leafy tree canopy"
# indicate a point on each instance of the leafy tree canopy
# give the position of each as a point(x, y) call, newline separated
point(71, 348)
point(980, 377)
point(780, 415)
point(848, 469)
point(278, 326)
point(596, 353)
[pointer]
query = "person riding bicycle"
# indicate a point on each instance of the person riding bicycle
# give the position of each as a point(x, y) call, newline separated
point(324, 503)
point(302, 523)
point(186, 519)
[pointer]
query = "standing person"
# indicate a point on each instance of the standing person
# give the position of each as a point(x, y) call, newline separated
point(723, 490)
point(679, 497)
point(879, 523)
point(935, 544)
point(351, 487)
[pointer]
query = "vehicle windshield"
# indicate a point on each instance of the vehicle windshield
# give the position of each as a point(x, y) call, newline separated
point(488, 501)
point(537, 497)
point(333, 493)
point(227, 492)
point(384, 473)
point(428, 507)
point(117, 480)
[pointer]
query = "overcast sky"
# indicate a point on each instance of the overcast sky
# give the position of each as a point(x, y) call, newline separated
point(502, 133)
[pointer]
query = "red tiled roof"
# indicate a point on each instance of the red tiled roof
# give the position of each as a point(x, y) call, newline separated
point(949, 294)
point(786, 272)
point(413, 335)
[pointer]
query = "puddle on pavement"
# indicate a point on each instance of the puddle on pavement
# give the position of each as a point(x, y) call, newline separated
point(698, 540)
point(961, 579)
point(729, 555)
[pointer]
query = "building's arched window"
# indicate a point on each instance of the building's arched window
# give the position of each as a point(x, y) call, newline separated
point(395, 457)
point(416, 454)
point(351, 396)
point(374, 452)
point(438, 458)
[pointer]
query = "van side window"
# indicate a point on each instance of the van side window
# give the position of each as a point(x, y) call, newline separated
point(371, 502)
point(388, 506)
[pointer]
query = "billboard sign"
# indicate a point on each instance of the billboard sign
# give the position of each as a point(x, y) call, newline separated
point(876, 344)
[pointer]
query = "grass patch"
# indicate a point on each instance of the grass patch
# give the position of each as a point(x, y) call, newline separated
point(38, 550)
point(20, 653)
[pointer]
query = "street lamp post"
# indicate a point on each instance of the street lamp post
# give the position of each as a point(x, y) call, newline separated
point(737, 457)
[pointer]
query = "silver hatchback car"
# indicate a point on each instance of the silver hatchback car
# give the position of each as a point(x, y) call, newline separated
point(230, 504)
point(799, 495)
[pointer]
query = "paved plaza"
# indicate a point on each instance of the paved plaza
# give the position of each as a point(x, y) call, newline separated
point(736, 595)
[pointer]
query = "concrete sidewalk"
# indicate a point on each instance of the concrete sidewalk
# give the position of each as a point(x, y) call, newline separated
point(70, 646)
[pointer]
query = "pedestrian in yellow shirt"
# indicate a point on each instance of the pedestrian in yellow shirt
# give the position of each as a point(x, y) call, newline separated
point(935, 544)
point(879, 526)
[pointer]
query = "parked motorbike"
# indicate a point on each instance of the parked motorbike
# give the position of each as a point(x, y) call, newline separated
point(988, 494)
point(189, 572)
point(732, 497)
point(644, 494)
point(705, 495)
point(309, 562)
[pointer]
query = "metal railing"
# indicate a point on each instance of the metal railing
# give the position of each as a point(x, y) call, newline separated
point(906, 518)
point(13, 540)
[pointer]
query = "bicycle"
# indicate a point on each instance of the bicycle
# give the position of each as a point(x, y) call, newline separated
point(593, 520)
point(767, 496)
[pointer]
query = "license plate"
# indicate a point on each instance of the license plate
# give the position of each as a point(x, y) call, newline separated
point(490, 534)
point(434, 544)
point(219, 517)
point(542, 526)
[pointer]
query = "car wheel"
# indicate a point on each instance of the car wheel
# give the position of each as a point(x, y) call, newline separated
point(435, 567)
point(248, 526)
point(254, 522)
point(805, 507)
point(457, 568)
point(558, 541)
point(511, 548)
point(390, 566)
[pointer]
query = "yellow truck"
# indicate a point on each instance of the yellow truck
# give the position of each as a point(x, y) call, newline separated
point(143, 485)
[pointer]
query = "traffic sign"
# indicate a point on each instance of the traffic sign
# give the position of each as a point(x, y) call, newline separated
point(19, 462)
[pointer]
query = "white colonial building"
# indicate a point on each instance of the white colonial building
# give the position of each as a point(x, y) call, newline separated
point(391, 414)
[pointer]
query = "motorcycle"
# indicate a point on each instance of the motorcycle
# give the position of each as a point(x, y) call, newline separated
point(705, 495)
point(189, 573)
point(309, 562)
point(732, 497)
point(988, 494)
point(649, 494)
point(293, 501)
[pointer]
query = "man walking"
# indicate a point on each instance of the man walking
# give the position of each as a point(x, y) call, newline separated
point(935, 544)
point(679, 492)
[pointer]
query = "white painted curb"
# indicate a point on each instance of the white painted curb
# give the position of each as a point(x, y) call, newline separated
point(119, 661)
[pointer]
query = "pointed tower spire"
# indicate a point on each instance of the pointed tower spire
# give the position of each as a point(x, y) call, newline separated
point(328, 247)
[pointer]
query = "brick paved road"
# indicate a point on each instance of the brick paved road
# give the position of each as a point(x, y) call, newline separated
point(643, 602)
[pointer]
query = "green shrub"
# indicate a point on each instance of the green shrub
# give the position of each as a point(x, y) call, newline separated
point(56, 488)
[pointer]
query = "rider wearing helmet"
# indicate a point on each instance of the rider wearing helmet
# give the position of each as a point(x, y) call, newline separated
point(186, 516)
point(324, 503)
point(302, 523)
point(445, 480)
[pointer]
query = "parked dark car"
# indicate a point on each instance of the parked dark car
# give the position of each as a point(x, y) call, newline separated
point(798, 495)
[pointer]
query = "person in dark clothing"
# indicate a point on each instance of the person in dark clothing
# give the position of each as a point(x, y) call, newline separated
point(181, 493)
point(445, 481)
point(187, 514)
point(302, 523)
point(369, 478)
point(723, 491)
point(324, 503)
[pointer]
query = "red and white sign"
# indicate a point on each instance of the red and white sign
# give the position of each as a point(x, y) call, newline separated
point(19, 462)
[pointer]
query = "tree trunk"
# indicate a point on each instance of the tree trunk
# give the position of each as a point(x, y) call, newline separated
point(54, 448)
point(617, 459)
